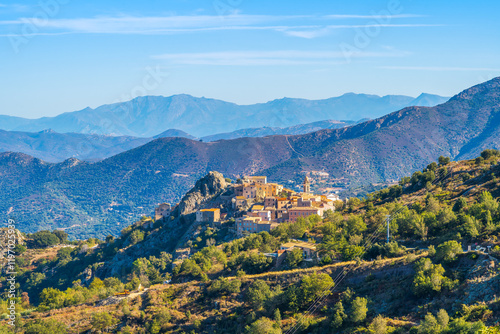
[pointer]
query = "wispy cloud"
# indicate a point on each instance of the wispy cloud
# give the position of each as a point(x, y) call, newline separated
point(304, 26)
point(439, 68)
point(374, 16)
point(15, 7)
point(318, 31)
point(268, 58)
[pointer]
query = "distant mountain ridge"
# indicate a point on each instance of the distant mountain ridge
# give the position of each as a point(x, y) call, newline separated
point(150, 115)
point(99, 198)
point(51, 146)
point(291, 130)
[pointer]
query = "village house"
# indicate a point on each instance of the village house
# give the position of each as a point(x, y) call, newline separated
point(256, 179)
point(239, 201)
point(253, 225)
point(270, 202)
point(308, 249)
point(208, 215)
point(303, 212)
point(163, 211)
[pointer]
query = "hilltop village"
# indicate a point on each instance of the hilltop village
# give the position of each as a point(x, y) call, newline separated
point(253, 205)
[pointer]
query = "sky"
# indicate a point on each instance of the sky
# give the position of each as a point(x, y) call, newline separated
point(64, 55)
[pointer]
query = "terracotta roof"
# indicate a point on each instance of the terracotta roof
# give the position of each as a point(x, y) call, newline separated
point(301, 244)
point(303, 208)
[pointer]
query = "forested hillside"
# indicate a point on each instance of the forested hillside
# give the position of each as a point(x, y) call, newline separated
point(425, 280)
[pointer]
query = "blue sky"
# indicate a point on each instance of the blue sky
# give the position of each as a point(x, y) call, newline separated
point(64, 55)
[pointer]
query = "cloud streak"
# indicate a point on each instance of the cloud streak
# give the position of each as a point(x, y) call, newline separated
point(269, 58)
point(439, 68)
point(303, 26)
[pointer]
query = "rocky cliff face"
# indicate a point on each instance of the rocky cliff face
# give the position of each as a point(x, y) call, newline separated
point(205, 189)
point(166, 238)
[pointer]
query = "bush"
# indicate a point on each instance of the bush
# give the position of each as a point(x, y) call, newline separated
point(486, 154)
point(43, 239)
point(429, 278)
point(378, 325)
point(263, 326)
point(224, 286)
point(444, 160)
point(294, 258)
point(102, 321)
point(448, 251)
point(136, 236)
point(48, 326)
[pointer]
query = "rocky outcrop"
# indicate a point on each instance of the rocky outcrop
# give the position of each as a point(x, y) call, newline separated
point(172, 231)
point(205, 189)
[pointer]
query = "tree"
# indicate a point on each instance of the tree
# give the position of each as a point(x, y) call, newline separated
point(263, 326)
point(429, 325)
point(378, 325)
point(224, 286)
point(358, 309)
point(432, 204)
point(444, 160)
point(315, 285)
point(136, 236)
point(113, 284)
point(277, 317)
point(355, 225)
point(459, 325)
point(35, 279)
point(52, 298)
point(470, 226)
point(448, 251)
point(351, 252)
point(429, 278)
point(256, 263)
point(442, 318)
point(488, 202)
point(460, 204)
point(258, 293)
point(488, 153)
point(20, 249)
point(43, 239)
point(61, 235)
point(339, 315)
point(96, 284)
point(419, 228)
point(294, 258)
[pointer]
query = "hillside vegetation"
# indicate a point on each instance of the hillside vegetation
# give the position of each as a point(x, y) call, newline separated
point(425, 280)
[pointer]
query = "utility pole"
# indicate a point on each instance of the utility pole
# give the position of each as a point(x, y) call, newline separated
point(388, 219)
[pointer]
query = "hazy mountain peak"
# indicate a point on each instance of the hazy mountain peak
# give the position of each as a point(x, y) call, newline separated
point(147, 116)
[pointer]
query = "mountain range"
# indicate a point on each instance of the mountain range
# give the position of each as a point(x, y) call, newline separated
point(151, 115)
point(51, 146)
point(113, 192)
point(272, 131)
